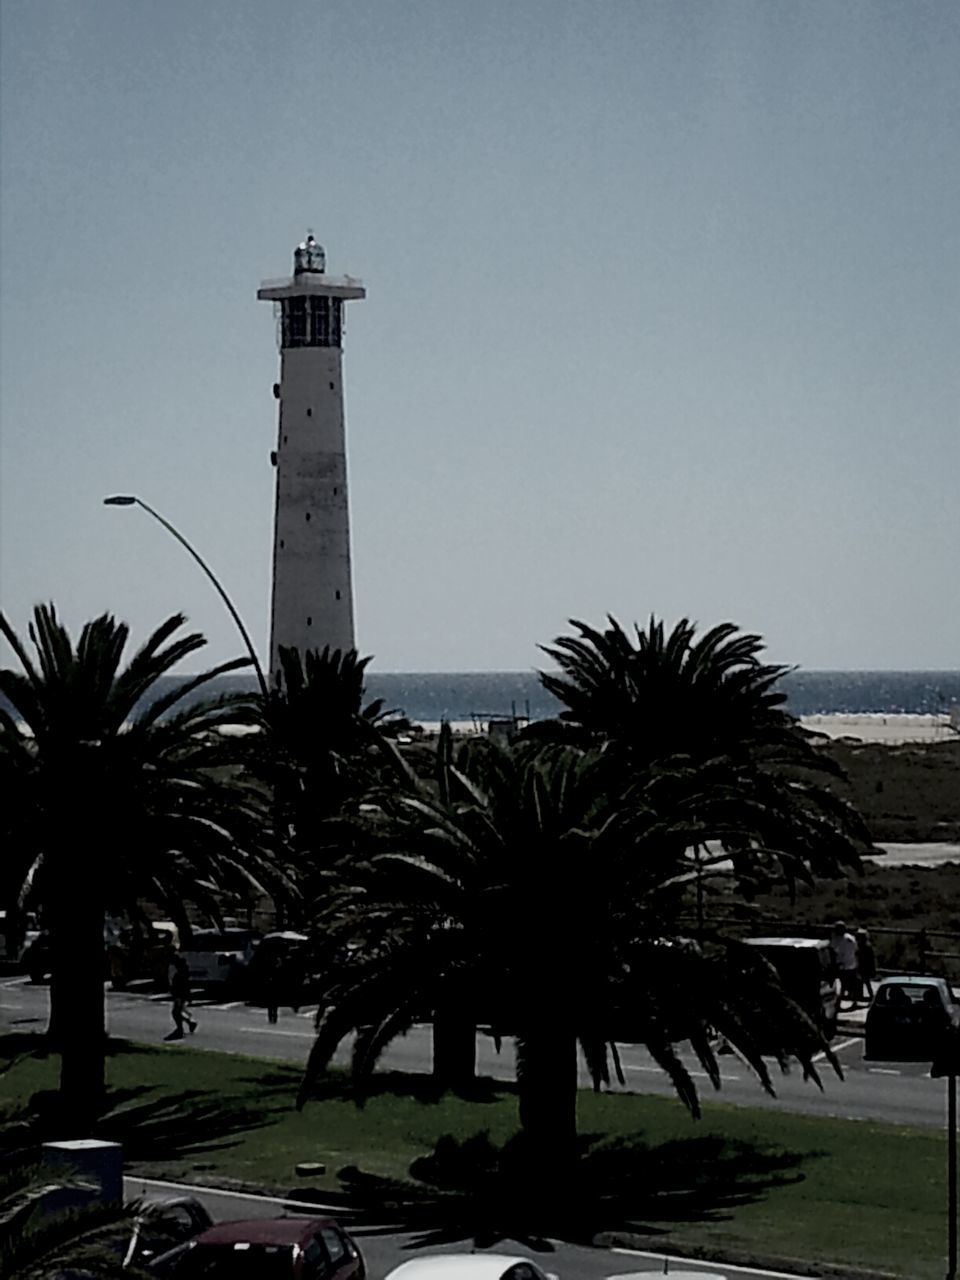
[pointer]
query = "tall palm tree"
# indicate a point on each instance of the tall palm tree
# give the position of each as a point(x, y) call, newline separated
point(117, 793)
point(709, 703)
point(664, 693)
point(544, 890)
point(322, 746)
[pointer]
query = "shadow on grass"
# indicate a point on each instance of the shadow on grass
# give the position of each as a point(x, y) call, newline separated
point(171, 1126)
point(476, 1190)
point(337, 1085)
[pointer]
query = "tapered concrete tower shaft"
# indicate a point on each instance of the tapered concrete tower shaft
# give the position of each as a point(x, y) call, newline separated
point(312, 602)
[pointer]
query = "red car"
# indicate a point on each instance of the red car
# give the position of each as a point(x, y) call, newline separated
point(267, 1249)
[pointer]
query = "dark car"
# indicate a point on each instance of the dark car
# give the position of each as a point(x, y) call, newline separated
point(267, 1249)
point(909, 1019)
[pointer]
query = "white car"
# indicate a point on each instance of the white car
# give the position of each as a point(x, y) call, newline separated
point(219, 958)
point(470, 1266)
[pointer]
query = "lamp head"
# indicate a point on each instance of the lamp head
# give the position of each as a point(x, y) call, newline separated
point(120, 500)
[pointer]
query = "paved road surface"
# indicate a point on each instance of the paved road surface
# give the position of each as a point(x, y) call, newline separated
point(897, 1093)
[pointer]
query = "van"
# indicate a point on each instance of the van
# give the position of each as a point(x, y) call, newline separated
point(808, 974)
point(219, 957)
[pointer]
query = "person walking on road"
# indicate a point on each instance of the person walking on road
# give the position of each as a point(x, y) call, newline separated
point(180, 998)
point(844, 946)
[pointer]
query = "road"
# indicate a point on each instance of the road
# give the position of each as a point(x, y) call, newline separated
point(898, 1093)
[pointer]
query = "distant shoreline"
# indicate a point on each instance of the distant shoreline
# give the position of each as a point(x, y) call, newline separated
point(879, 727)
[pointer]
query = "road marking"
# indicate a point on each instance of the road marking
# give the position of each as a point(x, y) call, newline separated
point(837, 1048)
point(314, 1210)
point(659, 1071)
point(275, 1031)
point(234, 1004)
point(884, 1071)
point(660, 1258)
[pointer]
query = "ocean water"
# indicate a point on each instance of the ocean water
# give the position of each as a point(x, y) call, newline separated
point(462, 696)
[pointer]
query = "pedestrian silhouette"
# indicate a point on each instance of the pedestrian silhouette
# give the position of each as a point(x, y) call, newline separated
point(180, 998)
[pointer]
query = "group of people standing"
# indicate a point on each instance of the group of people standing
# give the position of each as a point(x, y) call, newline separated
point(856, 963)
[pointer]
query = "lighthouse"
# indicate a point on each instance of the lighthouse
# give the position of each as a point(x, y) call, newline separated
point(312, 602)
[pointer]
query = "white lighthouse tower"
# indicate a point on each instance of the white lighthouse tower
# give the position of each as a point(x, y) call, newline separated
point(312, 602)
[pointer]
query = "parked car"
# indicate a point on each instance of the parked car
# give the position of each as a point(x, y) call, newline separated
point(808, 974)
point(266, 1249)
point(162, 1224)
point(219, 957)
point(909, 1019)
point(470, 1266)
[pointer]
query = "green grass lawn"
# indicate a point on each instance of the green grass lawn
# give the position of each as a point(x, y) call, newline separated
point(741, 1183)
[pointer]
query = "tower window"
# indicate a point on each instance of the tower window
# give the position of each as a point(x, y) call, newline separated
point(332, 387)
point(309, 621)
point(308, 517)
point(335, 490)
point(311, 322)
point(338, 595)
point(295, 322)
point(309, 413)
point(282, 544)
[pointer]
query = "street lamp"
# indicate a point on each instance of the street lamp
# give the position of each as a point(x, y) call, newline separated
point(129, 500)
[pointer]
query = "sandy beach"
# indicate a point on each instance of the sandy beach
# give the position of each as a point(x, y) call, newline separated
point(892, 729)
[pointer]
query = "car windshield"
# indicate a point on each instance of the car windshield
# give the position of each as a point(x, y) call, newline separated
point(237, 1262)
point(910, 992)
point(230, 941)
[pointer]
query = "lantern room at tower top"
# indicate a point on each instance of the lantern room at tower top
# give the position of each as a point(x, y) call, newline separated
point(310, 278)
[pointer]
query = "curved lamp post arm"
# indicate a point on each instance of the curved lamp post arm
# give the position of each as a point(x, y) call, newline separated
point(129, 500)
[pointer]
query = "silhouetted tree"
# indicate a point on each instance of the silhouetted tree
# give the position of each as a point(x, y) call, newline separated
point(114, 795)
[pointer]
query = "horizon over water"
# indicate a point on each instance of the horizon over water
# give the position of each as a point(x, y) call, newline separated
point(429, 697)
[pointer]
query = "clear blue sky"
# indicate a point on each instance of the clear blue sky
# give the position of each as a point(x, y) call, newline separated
point(663, 313)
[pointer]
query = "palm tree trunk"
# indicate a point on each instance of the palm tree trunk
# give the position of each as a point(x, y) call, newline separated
point(547, 1087)
point(76, 997)
point(454, 1049)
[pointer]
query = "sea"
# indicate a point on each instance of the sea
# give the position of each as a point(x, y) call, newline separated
point(465, 696)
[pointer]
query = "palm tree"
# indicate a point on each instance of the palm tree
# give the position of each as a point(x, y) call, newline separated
point(663, 694)
point(322, 747)
point(117, 793)
point(544, 890)
point(36, 1243)
point(710, 705)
